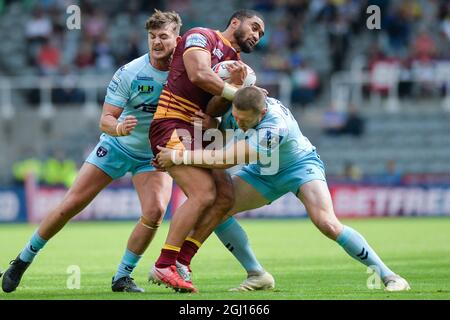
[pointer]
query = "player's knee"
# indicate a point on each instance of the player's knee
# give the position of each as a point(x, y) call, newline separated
point(329, 227)
point(205, 200)
point(154, 213)
point(208, 199)
point(224, 201)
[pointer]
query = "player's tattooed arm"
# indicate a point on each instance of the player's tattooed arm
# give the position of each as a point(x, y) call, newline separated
point(110, 124)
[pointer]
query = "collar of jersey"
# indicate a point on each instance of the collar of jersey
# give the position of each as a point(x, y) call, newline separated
point(225, 40)
point(148, 62)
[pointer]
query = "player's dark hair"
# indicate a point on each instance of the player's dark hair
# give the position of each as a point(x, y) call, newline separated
point(160, 19)
point(249, 98)
point(244, 14)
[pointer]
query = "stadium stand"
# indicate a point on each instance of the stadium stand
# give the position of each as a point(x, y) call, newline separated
point(315, 54)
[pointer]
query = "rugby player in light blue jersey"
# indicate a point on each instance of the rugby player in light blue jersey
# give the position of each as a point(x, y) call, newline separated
point(285, 161)
point(130, 102)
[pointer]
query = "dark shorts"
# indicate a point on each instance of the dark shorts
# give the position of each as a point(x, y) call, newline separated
point(174, 134)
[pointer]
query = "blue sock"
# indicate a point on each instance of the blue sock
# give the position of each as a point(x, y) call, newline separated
point(127, 265)
point(235, 239)
point(358, 248)
point(32, 248)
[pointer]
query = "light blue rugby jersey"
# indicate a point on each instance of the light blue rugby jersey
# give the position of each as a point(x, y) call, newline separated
point(136, 88)
point(278, 132)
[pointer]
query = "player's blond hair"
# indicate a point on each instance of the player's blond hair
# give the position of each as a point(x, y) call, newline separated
point(160, 19)
point(249, 98)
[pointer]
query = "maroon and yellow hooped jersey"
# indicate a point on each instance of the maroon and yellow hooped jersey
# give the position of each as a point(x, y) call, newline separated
point(180, 98)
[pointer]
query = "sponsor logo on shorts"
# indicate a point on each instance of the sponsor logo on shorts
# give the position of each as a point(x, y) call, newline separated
point(101, 152)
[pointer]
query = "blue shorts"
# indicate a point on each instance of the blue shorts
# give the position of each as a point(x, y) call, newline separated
point(289, 179)
point(115, 161)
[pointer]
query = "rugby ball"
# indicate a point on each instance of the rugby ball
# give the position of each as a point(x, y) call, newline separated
point(221, 70)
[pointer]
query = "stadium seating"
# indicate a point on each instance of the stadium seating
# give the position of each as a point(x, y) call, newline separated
point(417, 140)
point(416, 136)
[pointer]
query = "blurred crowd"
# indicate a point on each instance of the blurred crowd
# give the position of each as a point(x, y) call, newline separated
point(306, 40)
point(55, 170)
point(351, 173)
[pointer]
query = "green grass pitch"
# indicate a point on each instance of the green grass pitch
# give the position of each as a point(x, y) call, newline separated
point(305, 264)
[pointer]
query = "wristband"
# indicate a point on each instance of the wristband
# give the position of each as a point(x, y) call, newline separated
point(229, 91)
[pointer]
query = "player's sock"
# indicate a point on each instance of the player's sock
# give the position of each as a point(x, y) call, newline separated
point(168, 256)
point(358, 248)
point(127, 265)
point(188, 250)
point(235, 239)
point(32, 248)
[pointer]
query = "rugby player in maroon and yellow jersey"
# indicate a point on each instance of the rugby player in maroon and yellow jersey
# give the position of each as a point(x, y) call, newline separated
point(191, 85)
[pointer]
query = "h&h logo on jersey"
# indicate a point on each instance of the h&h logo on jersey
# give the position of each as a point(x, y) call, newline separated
point(145, 88)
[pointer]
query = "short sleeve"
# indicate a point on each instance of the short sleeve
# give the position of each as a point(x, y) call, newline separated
point(118, 91)
point(198, 40)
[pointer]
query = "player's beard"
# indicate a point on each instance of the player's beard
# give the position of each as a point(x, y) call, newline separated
point(239, 35)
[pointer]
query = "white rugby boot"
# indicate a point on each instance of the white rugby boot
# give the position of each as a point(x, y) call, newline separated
point(263, 281)
point(395, 283)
